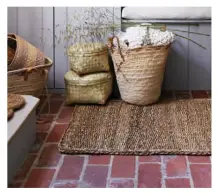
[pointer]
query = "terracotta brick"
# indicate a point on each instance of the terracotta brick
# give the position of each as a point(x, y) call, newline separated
point(122, 183)
point(42, 99)
point(199, 94)
point(22, 172)
point(152, 158)
point(40, 138)
point(56, 133)
point(49, 157)
point(65, 115)
point(177, 183)
point(99, 159)
point(95, 177)
point(40, 178)
point(182, 95)
point(55, 105)
point(201, 175)
point(149, 176)
point(175, 166)
point(199, 159)
point(59, 96)
point(15, 185)
point(65, 185)
point(46, 121)
point(123, 166)
point(71, 168)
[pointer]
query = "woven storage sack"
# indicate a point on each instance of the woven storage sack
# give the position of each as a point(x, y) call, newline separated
point(88, 58)
point(139, 72)
point(22, 54)
point(29, 81)
point(92, 88)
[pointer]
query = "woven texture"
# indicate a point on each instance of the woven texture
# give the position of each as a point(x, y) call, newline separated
point(139, 72)
point(11, 53)
point(92, 88)
point(88, 58)
point(26, 55)
point(15, 102)
point(10, 113)
point(29, 81)
point(169, 127)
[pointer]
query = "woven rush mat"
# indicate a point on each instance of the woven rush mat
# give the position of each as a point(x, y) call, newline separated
point(169, 127)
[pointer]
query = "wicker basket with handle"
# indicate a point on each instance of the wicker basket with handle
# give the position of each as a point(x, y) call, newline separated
point(29, 81)
point(86, 58)
point(22, 54)
point(139, 72)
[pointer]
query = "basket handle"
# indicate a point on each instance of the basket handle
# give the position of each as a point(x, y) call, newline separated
point(30, 70)
point(111, 45)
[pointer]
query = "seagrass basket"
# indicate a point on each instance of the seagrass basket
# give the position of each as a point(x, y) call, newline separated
point(29, 81)
point(139, 72)
point(86, 58)
point(88, 89)
point(22, 54)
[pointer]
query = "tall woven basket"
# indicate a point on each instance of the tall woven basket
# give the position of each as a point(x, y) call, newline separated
point(29, 81)
point(139, 72)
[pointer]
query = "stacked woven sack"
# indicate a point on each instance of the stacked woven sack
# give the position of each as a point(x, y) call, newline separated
point(89, 79)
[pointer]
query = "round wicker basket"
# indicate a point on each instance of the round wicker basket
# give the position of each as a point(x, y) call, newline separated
point(139, 72)
point(24, 54)
point(15, 102)
point(29, 81)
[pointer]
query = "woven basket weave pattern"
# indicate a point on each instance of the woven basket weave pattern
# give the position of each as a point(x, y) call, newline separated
point(140, 74)
point(35, 82)
point(88, 58)
point(26, 55)
point(89, 64)
point(96, 93)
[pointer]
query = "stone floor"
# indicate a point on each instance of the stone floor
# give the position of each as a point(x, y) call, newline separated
point(45, 167)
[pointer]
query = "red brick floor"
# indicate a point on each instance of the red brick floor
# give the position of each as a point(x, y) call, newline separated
point(46, 167)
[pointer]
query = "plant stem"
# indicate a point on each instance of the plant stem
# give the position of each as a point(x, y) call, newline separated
point(191, 41)
point(188, 32)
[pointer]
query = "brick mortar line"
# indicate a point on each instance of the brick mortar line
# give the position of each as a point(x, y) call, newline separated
point(63, 181)
point(85, 163)
point(136, 171)
point(95, 165)
point(189, 171)
point(40, 150)
point(159, 163)
point(163, 172)
point(121, 178)
point(177, 177)
point(108, 180)
point(61, 161)
point(199, 163)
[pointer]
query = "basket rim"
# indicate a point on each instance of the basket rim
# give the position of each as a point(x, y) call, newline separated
point(145, 47)
point(46, 65)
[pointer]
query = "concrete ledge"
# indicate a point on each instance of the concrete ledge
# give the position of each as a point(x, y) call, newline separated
point(21, 135)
